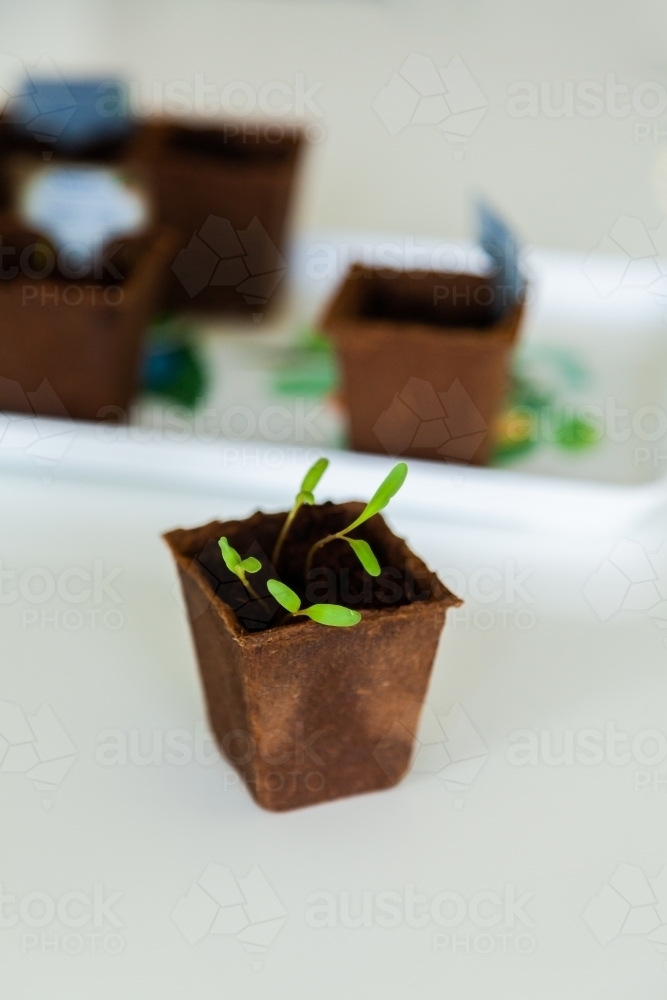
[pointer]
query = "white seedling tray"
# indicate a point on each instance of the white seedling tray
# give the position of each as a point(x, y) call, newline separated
point(593, 347)
point(595, 333)
point(53, 449)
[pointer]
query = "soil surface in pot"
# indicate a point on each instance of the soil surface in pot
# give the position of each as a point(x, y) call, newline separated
point(30, 251)
point(15, 137)
point(336, 576)
point(217, 145)
point(466, 302)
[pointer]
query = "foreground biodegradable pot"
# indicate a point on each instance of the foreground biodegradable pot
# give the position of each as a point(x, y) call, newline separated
point(424, 360)
point(72, 347)
point(306, 712)
point(226, 190)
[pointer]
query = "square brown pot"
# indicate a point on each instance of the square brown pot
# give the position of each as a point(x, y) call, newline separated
point(72, 347)
point(225, 189)
point(306, 712)
point(17, 139)
point(424, 360)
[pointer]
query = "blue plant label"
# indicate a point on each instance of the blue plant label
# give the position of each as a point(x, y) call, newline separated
point(502, 246)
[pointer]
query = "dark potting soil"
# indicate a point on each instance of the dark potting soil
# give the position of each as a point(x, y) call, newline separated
point(15, 138)
point(26, 250)
point(336, 576)
point(218, 145)
point(461, 302)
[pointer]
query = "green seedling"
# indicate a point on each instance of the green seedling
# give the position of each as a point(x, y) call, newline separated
point(305, 495)
point(387, 489)
point(240, 566)
point(325, 614)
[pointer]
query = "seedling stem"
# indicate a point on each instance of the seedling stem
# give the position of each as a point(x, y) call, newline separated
point(388, 488)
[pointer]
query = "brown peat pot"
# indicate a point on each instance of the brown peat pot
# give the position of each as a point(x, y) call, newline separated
point(305, 712)
point(18, 140)
point(72, 347)
point(226, 190)
point(424, 361)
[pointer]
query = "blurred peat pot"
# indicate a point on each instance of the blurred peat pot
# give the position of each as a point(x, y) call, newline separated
point(425, 360)
point(72, 346)
point(224, 187)
point(226, 190)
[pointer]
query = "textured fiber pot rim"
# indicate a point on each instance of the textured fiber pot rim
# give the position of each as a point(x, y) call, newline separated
point(154, 248)
point(339, 691)
point(440, 594)
point(154, 135)
point(348, 327)
point(423, 373)
point(339, 320)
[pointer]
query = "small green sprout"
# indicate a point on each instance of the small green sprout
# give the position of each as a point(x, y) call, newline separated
point(387, 489)
point(305, 495)
point(240, 566)
point(325, 614)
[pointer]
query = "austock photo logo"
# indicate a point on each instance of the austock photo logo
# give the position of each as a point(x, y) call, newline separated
point(495, 597)
point(71, 923)
point(245, 260)
point(487, 922)
point(293, 100)
point(35, 746)
point(635, 259)
point(221, 905)
point(76, 598)
point(630, 579)
point(590, 99)
point(287, 104)
point(643, 752)
point(43, 116)
point(329, 261)
point(22, 434)
point(418, 417)
point(446, 746)
point(421, 93)
point(631, 903)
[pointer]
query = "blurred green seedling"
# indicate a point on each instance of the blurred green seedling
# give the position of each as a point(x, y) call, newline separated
point(240, 566)
point(387, 489)
point(305, 495)
point(325, 614)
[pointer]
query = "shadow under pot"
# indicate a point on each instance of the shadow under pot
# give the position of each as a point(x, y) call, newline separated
point(424, 358)
point(71, 346)
point(226, 190)
point(308, 713)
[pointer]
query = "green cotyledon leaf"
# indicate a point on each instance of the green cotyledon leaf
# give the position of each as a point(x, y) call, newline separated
point(387, 489)
point(365, 555)
point(332, 614)
point(313, 476)
point(230, 556)
point(284, 595)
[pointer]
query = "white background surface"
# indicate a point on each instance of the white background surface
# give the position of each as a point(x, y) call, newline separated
point(148, 832)
point(562, 181)
point(556, 832)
